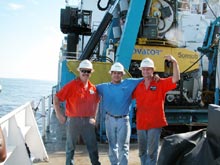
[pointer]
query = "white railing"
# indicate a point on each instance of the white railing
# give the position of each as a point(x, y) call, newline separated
point(24, 144)
point(43, 114)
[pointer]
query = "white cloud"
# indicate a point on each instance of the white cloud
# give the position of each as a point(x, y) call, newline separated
point(15, 6)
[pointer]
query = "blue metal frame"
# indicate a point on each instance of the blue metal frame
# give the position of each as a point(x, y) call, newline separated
point(186, 116)
point(66, 75)
point(130, 31)
point(211, 50)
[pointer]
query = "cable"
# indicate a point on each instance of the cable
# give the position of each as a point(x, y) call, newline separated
point(193, 64)
point(210, 8)
point(103, 8)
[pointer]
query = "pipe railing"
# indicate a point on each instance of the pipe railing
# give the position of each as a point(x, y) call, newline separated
point(23, 141)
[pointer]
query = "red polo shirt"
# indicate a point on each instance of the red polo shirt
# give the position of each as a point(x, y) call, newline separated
point(150, 103)
point(80, 102)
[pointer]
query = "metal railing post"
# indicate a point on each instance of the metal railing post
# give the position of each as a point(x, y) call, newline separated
point(32, 106)
point(43, 117)
point(49, 112)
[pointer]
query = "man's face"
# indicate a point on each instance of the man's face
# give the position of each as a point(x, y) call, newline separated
point(84, 74)
point(147, 72)
point(116, 77)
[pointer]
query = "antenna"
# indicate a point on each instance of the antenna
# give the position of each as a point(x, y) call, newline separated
point(81, 5)
point(67, 2)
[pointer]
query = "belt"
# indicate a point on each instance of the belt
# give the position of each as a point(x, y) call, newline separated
point(115, 116)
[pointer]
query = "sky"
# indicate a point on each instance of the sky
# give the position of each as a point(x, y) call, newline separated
point(30, 37)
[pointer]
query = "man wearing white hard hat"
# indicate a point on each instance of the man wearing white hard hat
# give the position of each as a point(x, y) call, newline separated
point(116, 99)
point(81, 100)
point(150, 116)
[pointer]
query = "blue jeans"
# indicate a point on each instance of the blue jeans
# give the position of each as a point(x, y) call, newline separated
point(118, 131)
point(148, 143)
point(81, 126)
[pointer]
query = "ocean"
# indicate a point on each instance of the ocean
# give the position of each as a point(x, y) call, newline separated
point(16, 92)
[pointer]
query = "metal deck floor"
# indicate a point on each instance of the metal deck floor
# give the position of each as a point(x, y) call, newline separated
point(55, 145)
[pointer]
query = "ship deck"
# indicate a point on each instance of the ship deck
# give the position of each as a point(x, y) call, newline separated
point(55, 145)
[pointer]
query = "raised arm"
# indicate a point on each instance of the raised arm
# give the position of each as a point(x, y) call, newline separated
point(176, 70)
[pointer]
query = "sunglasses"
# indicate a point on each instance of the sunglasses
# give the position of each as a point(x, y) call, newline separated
point(85, 71)
point(114, 72)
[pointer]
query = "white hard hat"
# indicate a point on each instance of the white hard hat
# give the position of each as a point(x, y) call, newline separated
point(86, 64)
point(147, 62)
point(118, 67)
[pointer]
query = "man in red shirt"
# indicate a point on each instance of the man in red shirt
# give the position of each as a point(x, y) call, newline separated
point(81, 100)
point(150, 117)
